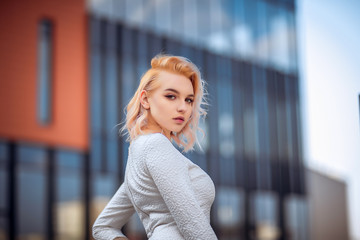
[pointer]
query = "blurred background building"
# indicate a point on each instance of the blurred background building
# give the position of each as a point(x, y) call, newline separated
point(69, 68)
point(327, 197)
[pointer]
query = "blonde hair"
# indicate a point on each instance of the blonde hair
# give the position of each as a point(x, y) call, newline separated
point(136, 114)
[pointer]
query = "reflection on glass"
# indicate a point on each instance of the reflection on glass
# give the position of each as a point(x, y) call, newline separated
point(45, 71)
point(111, 89)
point(177, 19)
point(96, 96)
point(296, 218)
point(31, 193)
point(203, 135)
point(162, 11)
point(69, 205)
point(190, 32)
point(104, 187)
point(264, 215)
point(229, 208)
point(260, 31)
point(279, 39)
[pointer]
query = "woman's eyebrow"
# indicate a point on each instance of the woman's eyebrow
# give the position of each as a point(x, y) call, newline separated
point(177, 92)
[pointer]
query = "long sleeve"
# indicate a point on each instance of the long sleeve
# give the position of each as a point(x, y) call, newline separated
point(114, 216)
point(170, 174)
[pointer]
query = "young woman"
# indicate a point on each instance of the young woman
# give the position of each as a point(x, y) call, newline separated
point(171, 195)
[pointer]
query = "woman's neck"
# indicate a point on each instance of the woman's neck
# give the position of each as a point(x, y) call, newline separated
point(156, 129)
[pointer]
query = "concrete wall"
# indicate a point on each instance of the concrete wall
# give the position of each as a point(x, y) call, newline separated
point(327, 207)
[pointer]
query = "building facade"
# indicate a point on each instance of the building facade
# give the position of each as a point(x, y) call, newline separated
point(327, 200)
point(64, 161)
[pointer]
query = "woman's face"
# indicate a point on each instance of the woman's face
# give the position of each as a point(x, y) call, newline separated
point(170, 105)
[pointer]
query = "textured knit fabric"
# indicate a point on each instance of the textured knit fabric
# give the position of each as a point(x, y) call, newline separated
point(171, 195)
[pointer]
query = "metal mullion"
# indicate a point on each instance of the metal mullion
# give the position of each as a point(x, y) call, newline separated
point(50, 192)
point(11, 191)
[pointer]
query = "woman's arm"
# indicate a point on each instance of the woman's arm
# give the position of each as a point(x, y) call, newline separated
point(114, 216)
point(170, 174)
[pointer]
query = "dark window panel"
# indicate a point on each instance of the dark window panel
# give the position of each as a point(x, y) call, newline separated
point(45, 71)
point(213, 157)
point(111, 91)
point(263, 169)
point(96, 93)
point(69, 185)
point(31, 192)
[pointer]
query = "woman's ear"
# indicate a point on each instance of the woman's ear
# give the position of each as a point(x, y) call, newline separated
point(144, 99)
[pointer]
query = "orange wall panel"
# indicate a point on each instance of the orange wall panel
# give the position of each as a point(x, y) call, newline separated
point(18, 72)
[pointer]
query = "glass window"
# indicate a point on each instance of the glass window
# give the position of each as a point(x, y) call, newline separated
point(229, 212)
point(190, 32)
point(249, 116)
point(177, 19)
point(238, 109)
point(282, 37)
point(213, 157)
point(104, 187)
point(163, 13)
point(296, 209)
point(226, 121)
point(135, 12)
point(281, 117)
point(128, 76)
point(218, 40)
point(264, 215)
point(45, 71)
point(69, 205)
point(31, 193)
point(248, 31)
point(143, 61)
point(96, 94)
point(203, 20)
point(111, 103)
point(155, 47)
point(241, 34)
point(262, 138)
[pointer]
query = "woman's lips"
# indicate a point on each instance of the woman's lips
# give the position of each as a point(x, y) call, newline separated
point(179, 119)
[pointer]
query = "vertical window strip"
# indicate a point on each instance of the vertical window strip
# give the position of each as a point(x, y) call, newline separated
point(45, 76)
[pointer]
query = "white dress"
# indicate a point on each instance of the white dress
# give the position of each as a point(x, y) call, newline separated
point(171, 195)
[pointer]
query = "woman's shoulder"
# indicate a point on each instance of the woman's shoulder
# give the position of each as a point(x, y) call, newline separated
point(152, 141)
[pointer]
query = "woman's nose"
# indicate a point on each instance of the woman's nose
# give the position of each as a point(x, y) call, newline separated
point(182, 107)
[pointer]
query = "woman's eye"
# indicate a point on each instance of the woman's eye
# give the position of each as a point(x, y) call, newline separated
point(172, 97)
point(189, 100)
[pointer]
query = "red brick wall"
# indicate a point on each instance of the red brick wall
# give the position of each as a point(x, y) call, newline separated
point(18, 72)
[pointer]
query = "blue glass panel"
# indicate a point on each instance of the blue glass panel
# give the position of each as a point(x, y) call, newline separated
point(105, 185)
point(262, 127)
point(31, 193)
point(44, 99)
point(96, 113)
point(264, 214)
point(229, 212)
point(111, 98)
point(95, 152)
point(226, 121)
point(69, 160)
point(69, 206)
point(296, 212)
